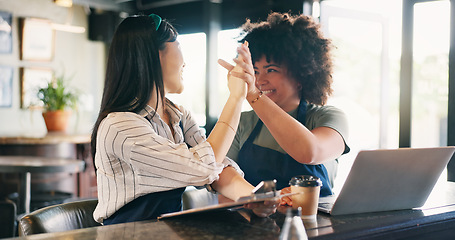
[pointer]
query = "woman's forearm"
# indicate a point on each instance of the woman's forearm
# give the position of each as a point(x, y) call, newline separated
point(223, 133)
point(232, 185)
point(305, 146)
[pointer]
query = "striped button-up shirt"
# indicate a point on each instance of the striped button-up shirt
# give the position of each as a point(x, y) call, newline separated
point(137, 154)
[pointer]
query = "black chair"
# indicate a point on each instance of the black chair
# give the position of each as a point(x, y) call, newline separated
point(7, 218)
point(59, 218)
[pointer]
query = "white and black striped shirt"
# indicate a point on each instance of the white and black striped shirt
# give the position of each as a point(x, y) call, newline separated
point(136, 154)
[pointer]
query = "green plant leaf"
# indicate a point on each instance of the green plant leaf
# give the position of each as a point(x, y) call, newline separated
point(56, 96)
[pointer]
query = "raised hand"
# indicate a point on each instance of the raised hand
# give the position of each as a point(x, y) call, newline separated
point(243, 70)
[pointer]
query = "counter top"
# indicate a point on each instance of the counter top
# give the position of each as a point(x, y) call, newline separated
point(32, 164)
point(434, 221)
point(49, 138)
point(240, 225)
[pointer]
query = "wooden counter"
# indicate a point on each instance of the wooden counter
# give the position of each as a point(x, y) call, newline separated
point(50, 138)
point(53, 145)
point(26, 165)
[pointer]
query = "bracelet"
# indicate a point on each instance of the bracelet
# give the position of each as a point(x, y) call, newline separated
point(256, 99)
point(227, 125)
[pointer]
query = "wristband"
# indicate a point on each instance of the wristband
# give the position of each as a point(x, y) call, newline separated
point(256, 99)
point(227, 125)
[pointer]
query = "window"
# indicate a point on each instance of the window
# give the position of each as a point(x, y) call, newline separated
point(227, 50)
point(193, 96)
point(194, 75)
point(366, 36)
point(430, 74)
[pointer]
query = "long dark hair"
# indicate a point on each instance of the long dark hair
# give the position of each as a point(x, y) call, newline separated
point(133, 67)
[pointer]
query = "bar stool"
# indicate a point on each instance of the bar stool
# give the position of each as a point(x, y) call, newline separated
point(26, 165)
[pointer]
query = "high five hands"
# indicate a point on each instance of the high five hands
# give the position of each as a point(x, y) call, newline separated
point(242, 70)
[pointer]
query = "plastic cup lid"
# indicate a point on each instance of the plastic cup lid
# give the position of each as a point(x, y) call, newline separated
point(305, 181)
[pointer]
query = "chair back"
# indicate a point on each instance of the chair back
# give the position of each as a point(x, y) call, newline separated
point(7, 218)
point(59, 218)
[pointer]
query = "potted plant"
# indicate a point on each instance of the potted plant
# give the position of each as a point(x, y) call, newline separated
point(58, 101)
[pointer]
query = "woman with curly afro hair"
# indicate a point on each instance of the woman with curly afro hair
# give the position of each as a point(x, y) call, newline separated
point(290, 130)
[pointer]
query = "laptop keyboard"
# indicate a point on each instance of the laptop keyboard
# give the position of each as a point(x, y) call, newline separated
point(325, 206)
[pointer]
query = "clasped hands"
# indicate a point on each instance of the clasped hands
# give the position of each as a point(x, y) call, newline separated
point(241, 73)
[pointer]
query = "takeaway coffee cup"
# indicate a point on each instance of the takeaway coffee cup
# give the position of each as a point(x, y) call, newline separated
point(308, 188)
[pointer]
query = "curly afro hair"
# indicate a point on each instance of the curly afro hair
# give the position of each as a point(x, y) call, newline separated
point(298, 43)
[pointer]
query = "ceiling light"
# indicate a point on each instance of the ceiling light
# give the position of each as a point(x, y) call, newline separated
point(68, 28)
point(64, 3)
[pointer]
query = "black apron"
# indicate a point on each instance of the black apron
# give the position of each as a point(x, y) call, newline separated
point(148, 207)
point(260, 163)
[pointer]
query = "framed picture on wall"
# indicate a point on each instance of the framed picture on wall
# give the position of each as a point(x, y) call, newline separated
point(6, 39)
point(32, 79)
point(6, 86)
point(37, 39)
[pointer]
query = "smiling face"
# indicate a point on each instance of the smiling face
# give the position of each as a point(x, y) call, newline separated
point(275, 82)
point(172, 66)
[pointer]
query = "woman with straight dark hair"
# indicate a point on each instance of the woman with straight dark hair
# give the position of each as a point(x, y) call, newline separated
point(146, 149)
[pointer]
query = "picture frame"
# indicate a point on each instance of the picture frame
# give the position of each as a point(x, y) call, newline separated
point(6, 37)
point(32, 79)
point(37, 39)
point(6, 86)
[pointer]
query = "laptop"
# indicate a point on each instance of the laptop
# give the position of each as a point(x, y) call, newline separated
point(389, 179)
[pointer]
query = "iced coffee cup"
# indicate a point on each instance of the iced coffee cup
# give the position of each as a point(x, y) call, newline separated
point(308, 188)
